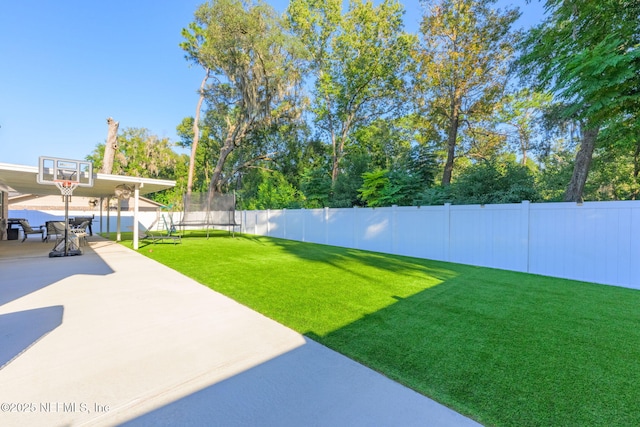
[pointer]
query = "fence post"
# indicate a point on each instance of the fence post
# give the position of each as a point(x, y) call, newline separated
point(284, 222)
point(356, 234)
point(447, 227)
point(394, 229)
point(525, 238)
point(304, 224)
point(255, 223)
point(326, 226)
point(268, 222)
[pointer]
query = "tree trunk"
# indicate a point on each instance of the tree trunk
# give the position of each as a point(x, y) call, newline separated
point(335, 161)
point(581, 166)
point(111, 146)
point(196, 136)
point(338, 148)
point(216, 178)
point(452, 136)
point(524, 145)
point(234, 134)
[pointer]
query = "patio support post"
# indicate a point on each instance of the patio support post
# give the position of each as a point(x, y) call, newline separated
point(108, 217)
point(118, 221)
point(136, 205)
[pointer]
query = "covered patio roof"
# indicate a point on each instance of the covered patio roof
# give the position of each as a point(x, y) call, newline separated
point(23, 179)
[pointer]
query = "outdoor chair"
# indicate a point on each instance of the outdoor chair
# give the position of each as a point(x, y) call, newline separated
point(55, 228)
point(154, 236)
point(78, 220)
point(81, 231)
point(27, 230)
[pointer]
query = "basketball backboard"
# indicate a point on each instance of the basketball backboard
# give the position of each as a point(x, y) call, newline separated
point(53, 169)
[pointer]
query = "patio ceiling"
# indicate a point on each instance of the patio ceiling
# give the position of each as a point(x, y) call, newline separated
point(23, 179)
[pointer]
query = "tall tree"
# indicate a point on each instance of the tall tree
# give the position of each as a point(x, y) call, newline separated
point(463, 60)
point(140, 153)
point(254, 69)
point(588, 54)
point(359, 61)
point(521, 113)
point(196, 132)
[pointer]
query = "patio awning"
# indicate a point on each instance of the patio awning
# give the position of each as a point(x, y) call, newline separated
point(23, 179)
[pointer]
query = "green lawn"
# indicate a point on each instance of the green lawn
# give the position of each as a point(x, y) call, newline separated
point(501, 347)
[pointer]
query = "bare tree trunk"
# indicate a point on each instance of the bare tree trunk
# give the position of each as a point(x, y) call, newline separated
point(581, 166)
point(452, 137)
point(338, 147)
point(196, 135)
point(524, 145)
point(111, 146)
point(335, 160)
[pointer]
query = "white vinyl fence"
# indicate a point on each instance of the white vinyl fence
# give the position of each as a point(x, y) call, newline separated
point(594, 242)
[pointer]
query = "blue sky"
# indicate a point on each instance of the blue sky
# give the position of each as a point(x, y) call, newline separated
point(68, 65)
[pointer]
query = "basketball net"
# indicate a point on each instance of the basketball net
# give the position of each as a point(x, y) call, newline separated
point(66, 187)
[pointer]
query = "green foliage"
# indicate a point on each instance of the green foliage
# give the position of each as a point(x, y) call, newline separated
point(145, 155)
point(205, 152)
point(462, 66)
point(522, 114)
point(387, 141)
point(495, 181)
point(316, 186)
point(364, 139)
point(345, 190)
point(434, 196)
point(373, 187)
point(272, 192)
point(587, 53)
point(383, 187)
point(555, 175)
point(422, 165)
point(498, 180)
point(614, 174)
point(139, 154)
point(358, 62)
point(256, 73)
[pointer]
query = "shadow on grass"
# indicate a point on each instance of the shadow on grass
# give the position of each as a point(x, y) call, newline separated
point(506, 353)
point(341, 258)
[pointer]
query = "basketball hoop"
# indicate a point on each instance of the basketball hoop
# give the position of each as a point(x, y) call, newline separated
point(67, 175)
point(66, 187)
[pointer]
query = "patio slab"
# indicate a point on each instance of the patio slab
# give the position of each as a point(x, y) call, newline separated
point(114, 338)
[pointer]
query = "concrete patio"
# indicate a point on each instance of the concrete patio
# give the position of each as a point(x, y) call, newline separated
point(114, 338)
